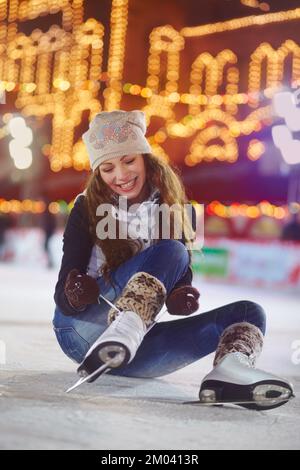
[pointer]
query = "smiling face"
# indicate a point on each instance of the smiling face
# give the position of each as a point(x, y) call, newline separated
point(125, 175)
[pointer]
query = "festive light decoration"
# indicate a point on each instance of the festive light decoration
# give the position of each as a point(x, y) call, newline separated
point(19, 207)
point(216, 208)
point(256, 4)
point(200, 151)
point(255, 149)
point(59, 73)
point(275, 69)
point(119, 19)
point(214, 69)
point(264, 208)
point(34, 207)
point(246, 22)
point(164, 40)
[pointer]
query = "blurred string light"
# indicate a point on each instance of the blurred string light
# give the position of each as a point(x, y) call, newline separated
point(264, 6)
point(164, 40)
point(214, 67)
point(59, 72)
point(19, 207)
point(255, 150)
point(200, 100)
point(215, 208)
point(18, 146)
point(240, 23)
point(119, 20)
point(286, 106)
point(34, 207)
point(264, 208)
point(72, 13)
point(275, 69)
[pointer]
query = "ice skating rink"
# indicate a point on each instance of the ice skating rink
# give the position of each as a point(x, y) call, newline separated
point(121, 413)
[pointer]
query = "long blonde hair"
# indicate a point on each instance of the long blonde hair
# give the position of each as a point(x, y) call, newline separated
point(160, 175)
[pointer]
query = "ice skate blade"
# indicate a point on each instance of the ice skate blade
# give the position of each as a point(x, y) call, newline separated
point(114, 353)
point(89, 377)
point(241, 403)
point(260, 396)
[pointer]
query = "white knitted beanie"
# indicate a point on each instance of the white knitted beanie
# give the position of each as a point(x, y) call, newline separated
point(115, 134)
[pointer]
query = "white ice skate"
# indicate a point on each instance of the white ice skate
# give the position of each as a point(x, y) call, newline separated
point(117, 346)
point(234, 380)
point(137, 307)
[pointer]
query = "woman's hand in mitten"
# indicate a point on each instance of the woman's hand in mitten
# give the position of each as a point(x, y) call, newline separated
point(183, 301)
point(81, 289)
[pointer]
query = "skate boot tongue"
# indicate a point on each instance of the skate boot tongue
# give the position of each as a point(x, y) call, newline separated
point(247, 361)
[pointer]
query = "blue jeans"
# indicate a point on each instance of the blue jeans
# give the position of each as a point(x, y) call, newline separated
point(168, 346)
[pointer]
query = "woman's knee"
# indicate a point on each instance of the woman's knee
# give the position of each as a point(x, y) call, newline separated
point(173, 251)
point(72, 343)
point(255, 313)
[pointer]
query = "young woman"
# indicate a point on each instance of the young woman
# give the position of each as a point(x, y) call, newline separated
point(138, 274)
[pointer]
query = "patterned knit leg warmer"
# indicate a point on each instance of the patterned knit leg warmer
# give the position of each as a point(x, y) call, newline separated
point(240, 337)
point(144, 294)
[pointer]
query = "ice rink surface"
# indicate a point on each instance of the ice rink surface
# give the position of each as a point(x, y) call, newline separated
point(122, 413)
